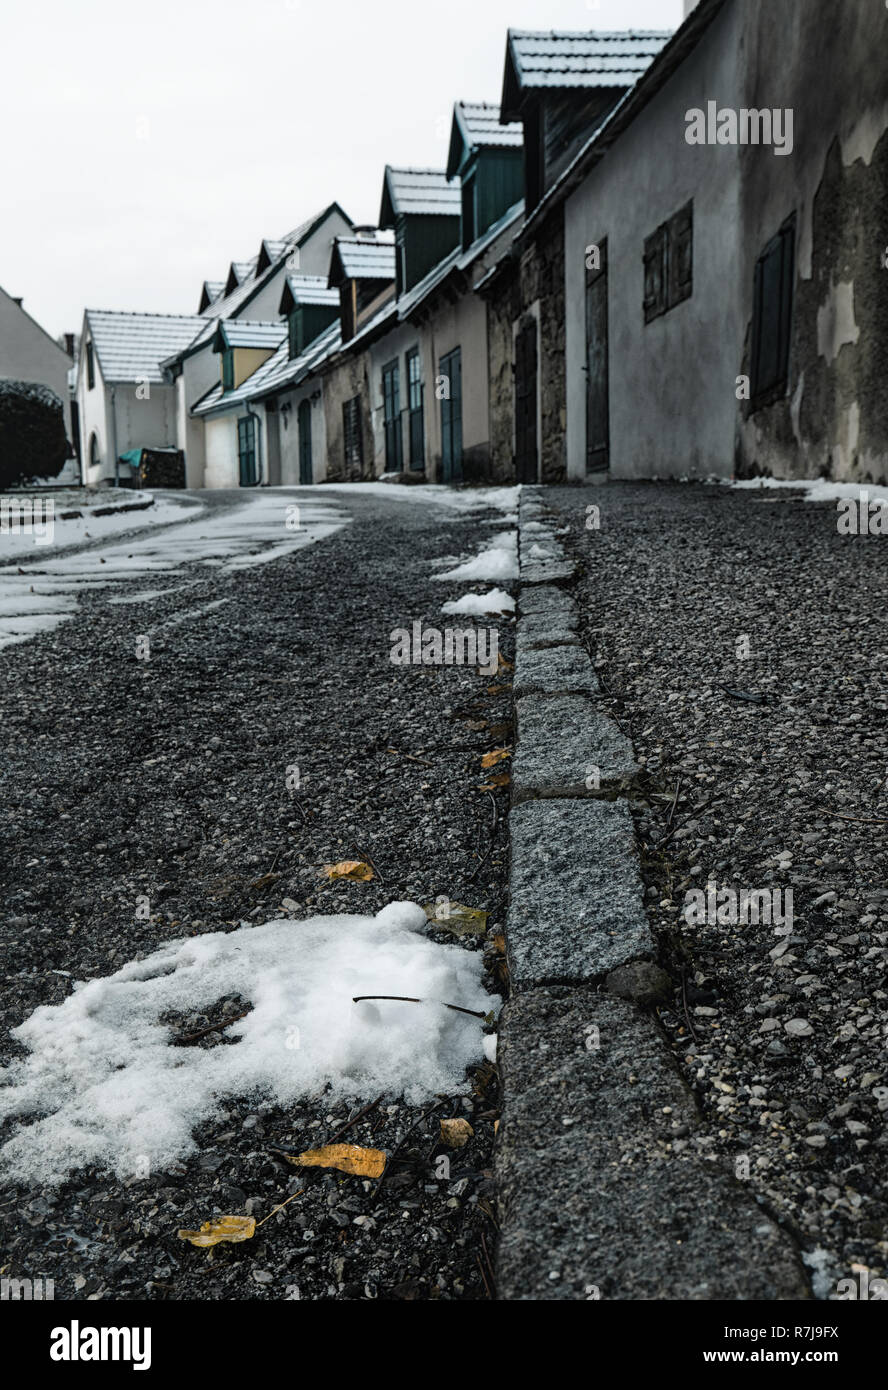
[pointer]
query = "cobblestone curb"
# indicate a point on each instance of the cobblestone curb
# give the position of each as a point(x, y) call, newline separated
point(601, 1191)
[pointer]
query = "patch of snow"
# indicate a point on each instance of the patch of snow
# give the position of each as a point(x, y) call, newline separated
point(476, 605)
point(821, 1264)
point(818, 489)
point(461, 499)
point(83, 529)
point(500, 561)
point(104, 1085)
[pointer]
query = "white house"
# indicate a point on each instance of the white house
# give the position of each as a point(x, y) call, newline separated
point(251, 290)
point(124, 401)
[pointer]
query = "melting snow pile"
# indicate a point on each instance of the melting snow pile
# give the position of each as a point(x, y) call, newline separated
point(500, 561)
point(477, 605)
point(108, 1087)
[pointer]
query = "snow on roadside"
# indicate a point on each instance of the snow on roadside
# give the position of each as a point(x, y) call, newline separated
point(83, 529)
point(110, 1090)
point(818, 489)
point(478, 605)
point(500, 561)
point(460, 499)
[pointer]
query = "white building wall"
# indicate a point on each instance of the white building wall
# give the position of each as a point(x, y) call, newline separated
point(220, 437)
point(462, 325)
point(289, 433)
point(672, 381)
point(199, 373)
point(394, 345)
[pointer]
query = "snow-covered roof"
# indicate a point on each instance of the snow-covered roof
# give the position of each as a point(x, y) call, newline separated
point(131, 347)
point(362, 258)
point(211, 290)
point(571, 60)
point(279, 371)
point(476, 126)
point(409, 191)
point(307, 289)
point(257, 270)
point(252, 333)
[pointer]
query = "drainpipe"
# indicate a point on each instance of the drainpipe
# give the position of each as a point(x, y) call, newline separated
point(114, 435)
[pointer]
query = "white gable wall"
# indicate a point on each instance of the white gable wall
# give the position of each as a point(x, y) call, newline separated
point(672, 382)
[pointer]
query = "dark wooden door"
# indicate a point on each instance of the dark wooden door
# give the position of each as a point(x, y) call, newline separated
point(305, 460)
point(526, 403)
point(597, 391)
point(450, 370)
point(414, 407)
point(246, 451)
point(391, 401)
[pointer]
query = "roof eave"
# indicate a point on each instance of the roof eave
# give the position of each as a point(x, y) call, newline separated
point(631, 104)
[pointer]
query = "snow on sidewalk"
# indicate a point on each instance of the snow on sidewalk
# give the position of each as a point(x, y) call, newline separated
point(110, 1088)
point(498, 561)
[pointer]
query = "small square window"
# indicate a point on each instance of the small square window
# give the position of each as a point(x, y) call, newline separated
point(669, 264)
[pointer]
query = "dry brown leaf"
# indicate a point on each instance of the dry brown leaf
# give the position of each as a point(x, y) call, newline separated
point(456, 1133)
point(498, 689)
point(502, 779)
point(348, 1158)
point(230, 1228)
point(503, 664)
point(499, 943)
point(350, 868)
point(490, 759)
point(457, 918)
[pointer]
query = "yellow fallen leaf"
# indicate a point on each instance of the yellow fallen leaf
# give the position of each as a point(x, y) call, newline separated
point(502, 779)
point(457, 918)
point(231, 1228)
point(350, 868)
point(496, 756)
point(456, 1133)
point(348, 1158)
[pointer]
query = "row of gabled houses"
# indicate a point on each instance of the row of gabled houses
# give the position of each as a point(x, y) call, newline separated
point(660, 255)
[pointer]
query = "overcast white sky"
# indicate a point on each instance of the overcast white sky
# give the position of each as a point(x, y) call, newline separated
point(145, 147)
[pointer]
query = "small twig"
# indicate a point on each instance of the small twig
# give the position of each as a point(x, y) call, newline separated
point(360, 1115)
point(858, 820)
point(410, 756)
point(483, 1276)
point(213, 1028)
point(277, 1209)
point(368, 860)
point(489, 1261)
point(407, 999)
point(400, 1144)
point(486, 855)
point(684, 1003)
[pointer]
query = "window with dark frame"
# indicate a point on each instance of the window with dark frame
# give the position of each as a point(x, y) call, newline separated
point(351, 433)
point(246, 448)
point(90, 366)
point(669, 264)
point(772, 316)
point(416, 426)
point(228, 369)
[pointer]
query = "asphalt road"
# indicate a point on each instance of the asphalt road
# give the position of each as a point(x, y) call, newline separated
point(162, 778)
